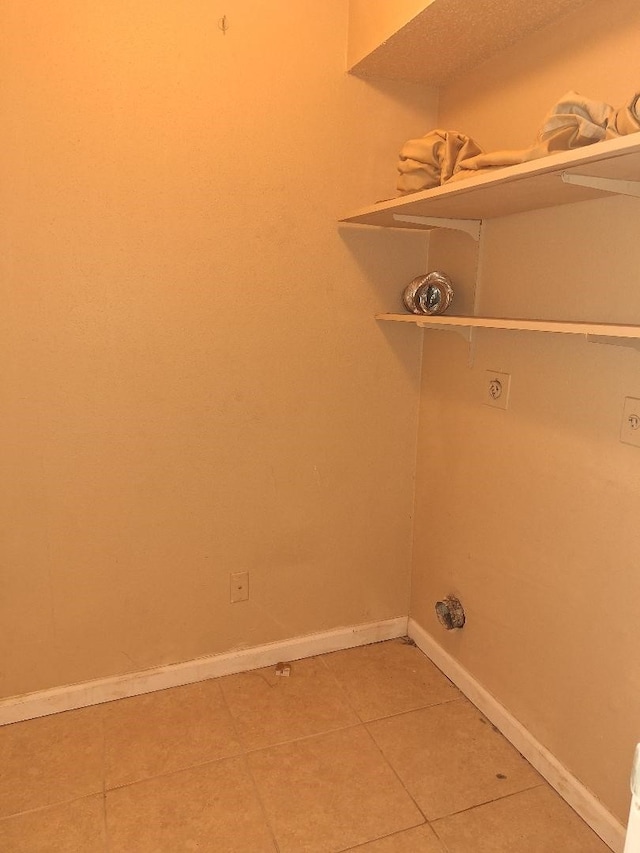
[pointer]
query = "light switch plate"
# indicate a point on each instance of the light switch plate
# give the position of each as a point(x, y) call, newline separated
point(496, 389)
point(630, 429)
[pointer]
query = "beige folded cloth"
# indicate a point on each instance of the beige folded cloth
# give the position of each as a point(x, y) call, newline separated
point(627, 118)
point(573, 122)
point(431, 160)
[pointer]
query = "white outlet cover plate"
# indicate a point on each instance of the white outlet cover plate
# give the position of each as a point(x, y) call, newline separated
point(496, 389)
point(630, 429)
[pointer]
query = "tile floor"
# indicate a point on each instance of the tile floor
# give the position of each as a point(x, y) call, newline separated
point(369, 749)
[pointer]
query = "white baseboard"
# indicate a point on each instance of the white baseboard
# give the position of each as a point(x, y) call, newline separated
point(570, 789)
point(59, 699)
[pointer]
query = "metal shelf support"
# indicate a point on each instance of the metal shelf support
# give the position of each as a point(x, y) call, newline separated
point(469, 226)
point(607, 185)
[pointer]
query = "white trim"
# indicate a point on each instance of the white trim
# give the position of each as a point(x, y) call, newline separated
point(59, 699)
point(570, 789)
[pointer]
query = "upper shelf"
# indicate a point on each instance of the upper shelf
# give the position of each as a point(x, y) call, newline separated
point(614, 166)
point(447, 37)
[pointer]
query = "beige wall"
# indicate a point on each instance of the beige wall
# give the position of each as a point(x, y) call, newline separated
point(193, 383)
point(372, 22)
point(531, 515)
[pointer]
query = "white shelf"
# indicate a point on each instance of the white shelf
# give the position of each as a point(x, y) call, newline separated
point(448, 37)
point(599, 170)
point(614, 164)
point(622, 335)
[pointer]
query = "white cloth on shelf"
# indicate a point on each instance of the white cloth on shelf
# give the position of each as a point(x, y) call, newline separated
point(573, 122)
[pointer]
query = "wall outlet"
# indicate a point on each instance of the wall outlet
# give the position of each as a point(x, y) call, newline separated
point(630, 429)
point(239, 585)
point(496, 389)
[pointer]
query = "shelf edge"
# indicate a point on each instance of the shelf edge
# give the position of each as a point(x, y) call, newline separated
point(614, 331)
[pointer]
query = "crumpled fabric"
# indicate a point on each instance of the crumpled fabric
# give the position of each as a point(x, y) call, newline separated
point(573, 122)
point(431, 160)
point(626, 119)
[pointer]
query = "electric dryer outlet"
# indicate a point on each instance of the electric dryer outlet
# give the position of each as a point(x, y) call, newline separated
point(630, 429)
point(497, 387)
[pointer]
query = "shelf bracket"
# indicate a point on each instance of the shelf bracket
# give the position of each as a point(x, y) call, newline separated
point(607, 185)
point(469, 226)
point(634, 343)
point(465, 332)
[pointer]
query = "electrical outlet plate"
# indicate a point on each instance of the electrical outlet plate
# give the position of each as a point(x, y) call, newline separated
point(630, 429)
point(239, 586)
point(496, 389)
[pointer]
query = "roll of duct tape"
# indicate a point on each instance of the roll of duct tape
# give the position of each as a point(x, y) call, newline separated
point(428, 294)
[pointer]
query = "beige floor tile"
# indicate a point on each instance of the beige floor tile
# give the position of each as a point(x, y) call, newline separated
point(213, 807)
point(330, 792)
point(76, 827)
point(388, 678)
point(51, 760)
point(535, 821)
point(450, 758)
point(270, 709)
point(166, 731)
point(419, 840)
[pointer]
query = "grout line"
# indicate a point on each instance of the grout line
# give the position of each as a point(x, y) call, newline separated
point(407, 640)
point(261, 803)
point(542, 784)
point(304, 738)
point(333, 728)
point(237, 756)
point(395, 773)
point(240, 754)
point(341, 728)
point(340, 684)
point(225, 702)
point(244, 751)
point(55, 805)
point(441, 841)
point(107, 844)
point(247, 765)
point(104, 781)
point(396, 834)
point(413, 710)
point(165, 774)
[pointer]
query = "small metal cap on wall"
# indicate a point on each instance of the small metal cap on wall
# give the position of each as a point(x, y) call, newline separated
point(450, 613)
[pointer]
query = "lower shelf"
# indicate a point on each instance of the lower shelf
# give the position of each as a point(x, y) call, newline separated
point(612, 333)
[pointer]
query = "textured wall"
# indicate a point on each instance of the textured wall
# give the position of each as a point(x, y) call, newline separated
point(531, 515)
point(192, 381)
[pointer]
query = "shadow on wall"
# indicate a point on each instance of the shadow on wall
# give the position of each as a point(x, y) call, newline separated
point(586, 34)
point(405, 249)
point(375, 251)
point(401, 93)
